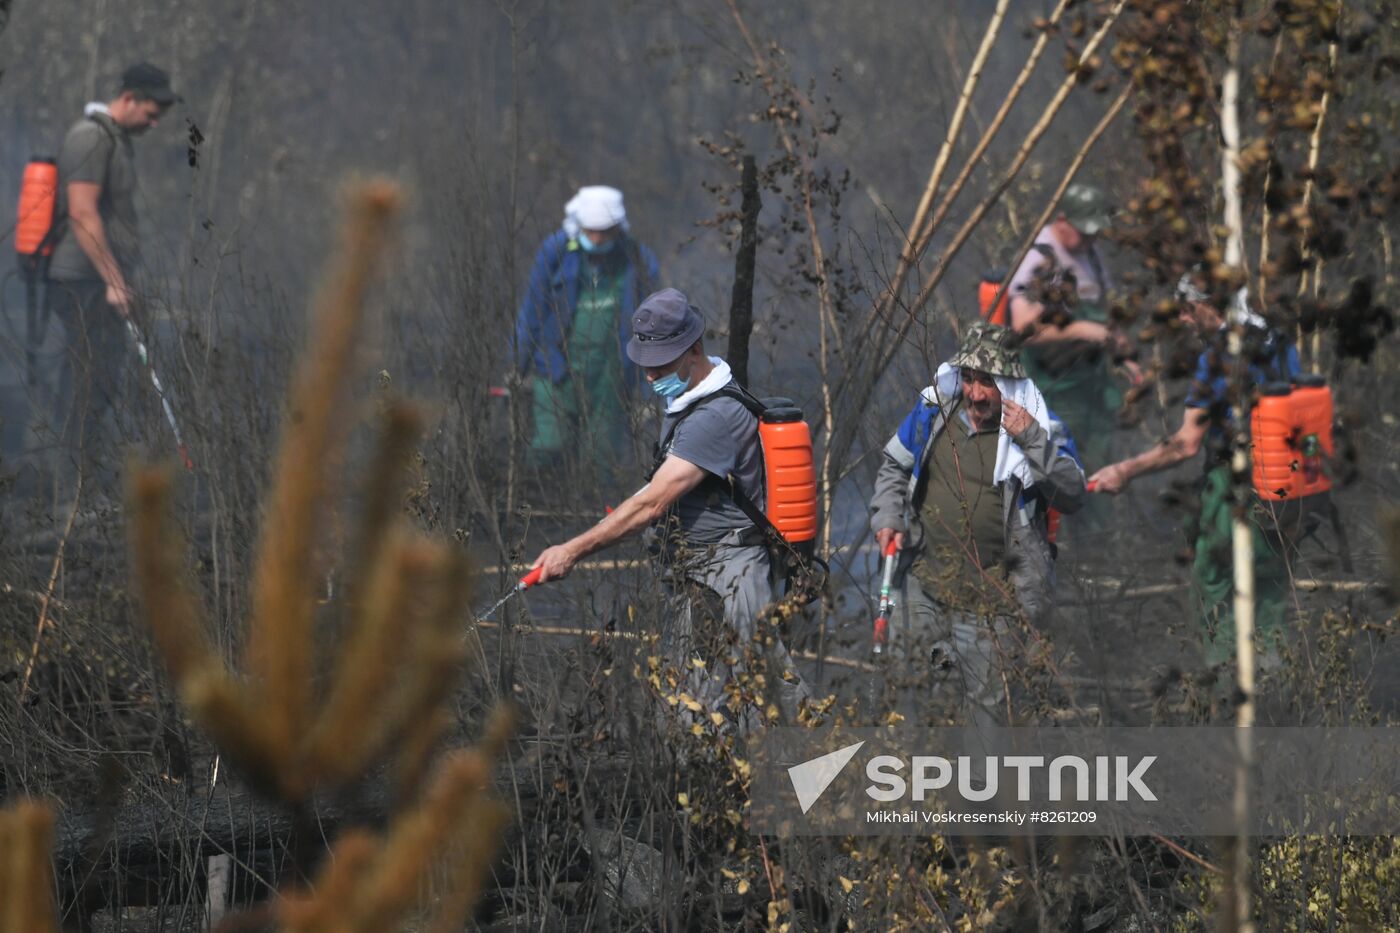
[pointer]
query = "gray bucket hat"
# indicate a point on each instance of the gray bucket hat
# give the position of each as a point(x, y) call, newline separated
point(664, 326)
point(989, 349)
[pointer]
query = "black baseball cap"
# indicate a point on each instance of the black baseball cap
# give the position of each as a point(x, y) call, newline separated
point(145, 78)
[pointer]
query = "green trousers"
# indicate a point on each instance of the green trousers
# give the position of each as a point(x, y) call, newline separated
point(1079, 389)
point(583, 415)
point(1213, 578)
point(1086, 400)
point(580, 416)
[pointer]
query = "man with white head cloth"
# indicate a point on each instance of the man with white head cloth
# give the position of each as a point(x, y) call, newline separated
point(963, 490)
point(572, 328)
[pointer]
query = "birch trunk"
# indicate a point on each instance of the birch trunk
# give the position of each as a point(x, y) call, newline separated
point(1243, 550)
point(916, 241)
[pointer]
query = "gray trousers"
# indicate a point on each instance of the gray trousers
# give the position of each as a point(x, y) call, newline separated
point(717, 595)
point(92, 384)
point(945, 664)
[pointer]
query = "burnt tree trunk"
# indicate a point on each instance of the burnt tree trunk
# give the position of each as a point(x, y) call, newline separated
point(741, 303)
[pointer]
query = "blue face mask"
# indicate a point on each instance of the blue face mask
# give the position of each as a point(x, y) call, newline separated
point(595, 249)
point(670, 386)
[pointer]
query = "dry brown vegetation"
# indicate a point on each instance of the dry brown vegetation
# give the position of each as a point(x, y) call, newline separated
point(293, 707)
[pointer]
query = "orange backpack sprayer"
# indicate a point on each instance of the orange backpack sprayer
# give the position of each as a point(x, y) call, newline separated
point(1291, 433)
point(789, 472)
point(41, 219)
point(34, 240)
point(38, 197)
point(1290, 440)
point(1000, 312)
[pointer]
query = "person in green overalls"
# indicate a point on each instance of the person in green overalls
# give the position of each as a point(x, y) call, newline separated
point(1059, 301)
point(572, 328)
point(1212, 571)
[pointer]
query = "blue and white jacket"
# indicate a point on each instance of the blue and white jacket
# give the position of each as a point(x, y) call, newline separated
point(1057, 482)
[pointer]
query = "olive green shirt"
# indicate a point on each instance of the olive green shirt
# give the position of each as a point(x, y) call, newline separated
point(962, 566)
point(98, 151)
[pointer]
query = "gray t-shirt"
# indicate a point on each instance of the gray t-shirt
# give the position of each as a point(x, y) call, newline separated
point(721, 438)
point(99, 153)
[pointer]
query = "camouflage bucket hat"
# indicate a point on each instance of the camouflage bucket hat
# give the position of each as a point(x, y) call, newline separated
point(1086, 208)
point(990, 349)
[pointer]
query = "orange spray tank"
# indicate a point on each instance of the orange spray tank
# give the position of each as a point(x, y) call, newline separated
point(790, 472)
point(1291, 436)
point(998, 312)
point(38, 194)
point(34, 240)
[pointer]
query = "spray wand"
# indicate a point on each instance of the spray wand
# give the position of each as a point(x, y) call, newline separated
point(145, 357)
point(882, 618)
point(527, 581)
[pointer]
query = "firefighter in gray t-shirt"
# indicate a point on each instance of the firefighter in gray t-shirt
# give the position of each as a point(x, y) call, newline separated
point(96, 253)
point(716, 565)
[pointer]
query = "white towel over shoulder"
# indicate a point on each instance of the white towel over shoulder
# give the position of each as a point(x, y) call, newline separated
point(1011, 460)
point(717, 379)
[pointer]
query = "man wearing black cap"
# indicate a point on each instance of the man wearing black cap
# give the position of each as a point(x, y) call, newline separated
point(97, 250)
point(711, 553)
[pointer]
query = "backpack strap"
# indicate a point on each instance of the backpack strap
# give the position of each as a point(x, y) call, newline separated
point(1056, 272)
point(1280, 343)
point(735, 392)
point(642, 280)
point(1100, 278)
point(111, 138)
point(1059, 273)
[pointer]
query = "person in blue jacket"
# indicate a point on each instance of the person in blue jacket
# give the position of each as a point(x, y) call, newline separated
point(572, 329)
point(1203, 426)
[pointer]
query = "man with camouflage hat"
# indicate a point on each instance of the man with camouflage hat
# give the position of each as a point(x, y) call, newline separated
point(1059, 301)
point(963, 491)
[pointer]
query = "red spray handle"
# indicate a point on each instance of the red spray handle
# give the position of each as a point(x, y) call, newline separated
point(530, 579)
point(882, 618)
point(1091, 486)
